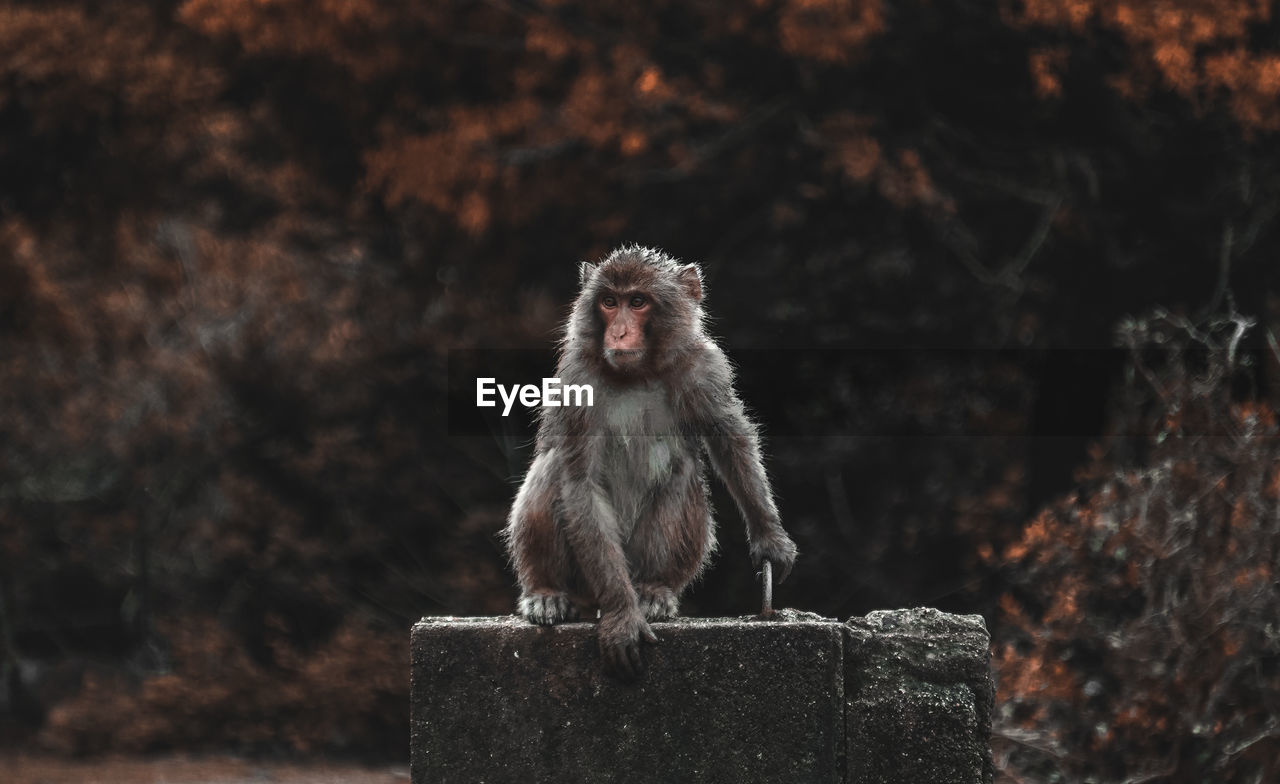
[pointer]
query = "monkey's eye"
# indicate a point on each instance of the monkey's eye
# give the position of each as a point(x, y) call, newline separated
point(608, 301)
point(639, 301)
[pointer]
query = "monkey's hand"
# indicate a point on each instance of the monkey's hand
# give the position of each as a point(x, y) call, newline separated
point(621, 632)
point(778, 548)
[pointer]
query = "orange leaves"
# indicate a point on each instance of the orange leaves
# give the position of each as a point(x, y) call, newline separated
point(633, 143)
point(906, 182)
point(1034, 679)
point(1199, 49)
point(1251, 82)
point(450, 170)
point(1173, 35)
point(120, 56)
point(1041, 533)
point(1065, 605)
point(1273, 485)
point(546, 37)
point(1073, 14)
point(1150, 592)
point(852, 150)
point(1252, 577)
point(590, 110)
point(1047, 65)
point(858, 157)
point(476, 161)
point(347, 31)
point(1176, 64)
point(350, 687)
point(438, 170)
point(651, 86)
point(830, 31)
point(39, 305)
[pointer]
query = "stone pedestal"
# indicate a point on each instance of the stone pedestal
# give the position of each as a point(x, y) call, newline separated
point(897, 696)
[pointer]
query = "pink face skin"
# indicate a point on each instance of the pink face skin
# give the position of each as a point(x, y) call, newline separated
point(624, 317)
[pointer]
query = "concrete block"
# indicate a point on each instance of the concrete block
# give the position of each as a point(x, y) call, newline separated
point(724, 700)
point(918, 698)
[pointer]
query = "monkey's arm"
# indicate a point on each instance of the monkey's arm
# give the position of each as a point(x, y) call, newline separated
point(734, 449)
point(592, 530)
point(591, 527)
point(733, 445)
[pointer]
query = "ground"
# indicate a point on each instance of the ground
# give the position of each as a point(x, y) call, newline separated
point(33, 769)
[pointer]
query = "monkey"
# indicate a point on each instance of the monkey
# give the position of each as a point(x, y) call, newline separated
point(613, 513)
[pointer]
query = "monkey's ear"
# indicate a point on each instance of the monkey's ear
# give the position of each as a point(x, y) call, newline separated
point(584, 271)
point(691, 278)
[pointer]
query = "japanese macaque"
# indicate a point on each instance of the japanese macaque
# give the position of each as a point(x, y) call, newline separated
point(613, 513)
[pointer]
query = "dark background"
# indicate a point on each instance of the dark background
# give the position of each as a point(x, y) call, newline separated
point(977, 263)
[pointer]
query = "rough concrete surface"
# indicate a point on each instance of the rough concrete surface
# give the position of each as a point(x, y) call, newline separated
point(918, 698)
point(724, 700)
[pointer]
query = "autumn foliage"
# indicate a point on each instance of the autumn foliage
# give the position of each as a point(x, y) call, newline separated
point(1139, 638)
point(217, 696)
point(1199, 49)
point(241, 239)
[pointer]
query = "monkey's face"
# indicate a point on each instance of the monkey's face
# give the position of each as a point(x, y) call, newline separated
point(624, 315)
point(637, 314)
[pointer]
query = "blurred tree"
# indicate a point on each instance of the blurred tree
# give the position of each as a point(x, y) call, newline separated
point(1138, 640)
point(240, 239)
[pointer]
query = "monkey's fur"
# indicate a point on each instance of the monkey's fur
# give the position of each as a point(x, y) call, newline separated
point(613, 513)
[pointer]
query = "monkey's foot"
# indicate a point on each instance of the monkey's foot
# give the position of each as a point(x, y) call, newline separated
point(658, 602)
point(545, 609)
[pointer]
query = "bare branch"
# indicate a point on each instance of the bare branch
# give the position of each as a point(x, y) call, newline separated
point(1224, 271)
point(1034, 242)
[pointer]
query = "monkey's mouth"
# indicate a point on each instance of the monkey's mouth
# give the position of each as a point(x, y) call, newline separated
point(624, 358)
